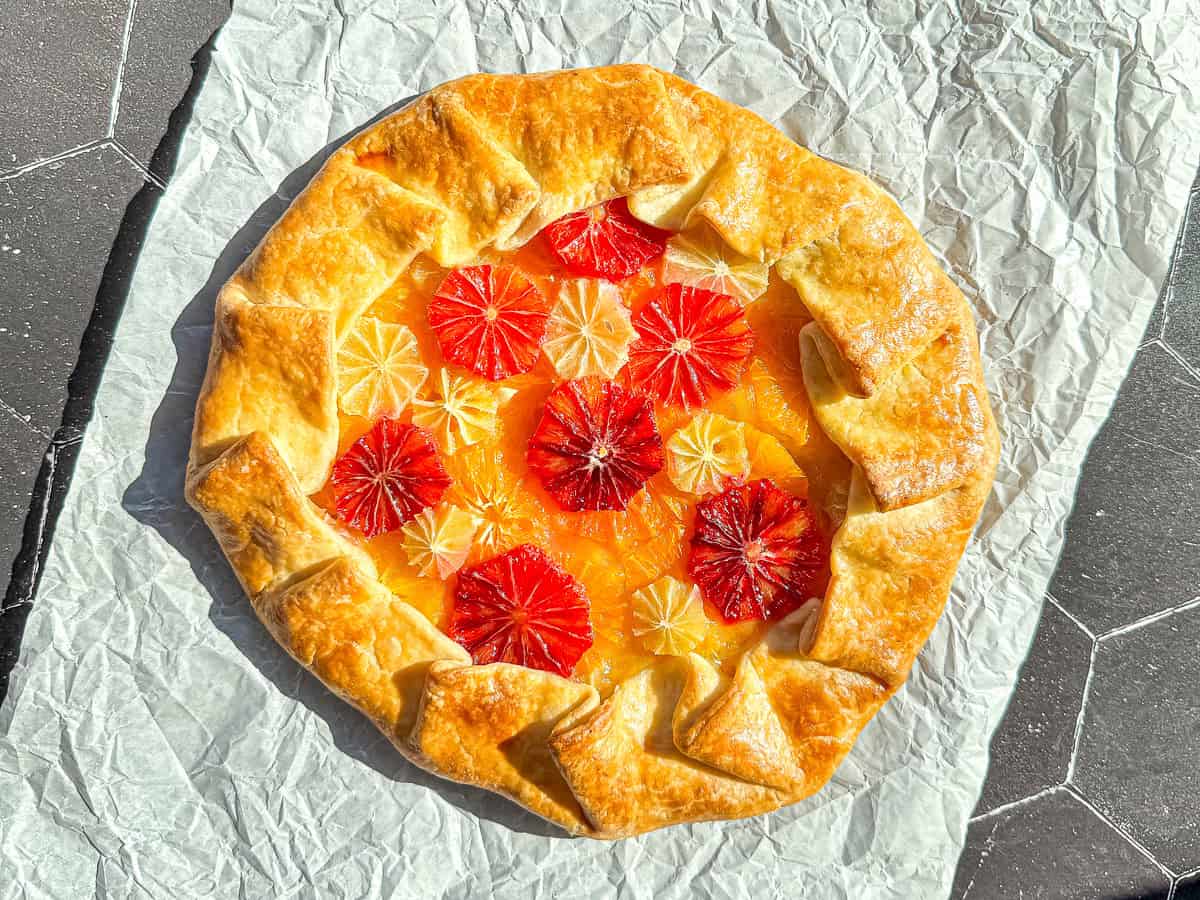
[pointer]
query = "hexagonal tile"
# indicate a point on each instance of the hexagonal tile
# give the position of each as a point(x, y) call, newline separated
point(60, 93)
point(1181, 320)
point(1131, 538)
point(1032, 747)
point(1138, 753)
point(163, 44)
point(58, 224)
point(1052, 847)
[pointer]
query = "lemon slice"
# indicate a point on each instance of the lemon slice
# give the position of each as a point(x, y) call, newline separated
point(459, 410)
point(438, 540)
point(379, 369)
point(706, 451)
point(589, 331)
point(668, 617)
point(707, 263)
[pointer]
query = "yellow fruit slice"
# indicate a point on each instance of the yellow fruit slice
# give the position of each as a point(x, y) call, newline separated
point(459, 410)
point(668, 617)
point(706, 451)
point(589, 331)
point(705, 262)
point(379, 369)
point(438, 540)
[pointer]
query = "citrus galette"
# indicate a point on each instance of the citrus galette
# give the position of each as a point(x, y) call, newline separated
point(606, 448)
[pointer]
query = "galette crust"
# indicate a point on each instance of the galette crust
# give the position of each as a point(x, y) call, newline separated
point(891, 366)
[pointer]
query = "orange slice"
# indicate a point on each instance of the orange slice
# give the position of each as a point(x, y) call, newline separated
point(706, 262)
point(379, 370)
point(706, 451)
point(590, 331)
point(459, 410)
point(668, 617)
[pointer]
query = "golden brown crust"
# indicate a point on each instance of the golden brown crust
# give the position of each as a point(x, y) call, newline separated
point(270, 532)
point(271, 369)
point(489, 726)
point(623, 765)
point(367, 645)
point(923, 432)
point(891, 366)
point(875, 289)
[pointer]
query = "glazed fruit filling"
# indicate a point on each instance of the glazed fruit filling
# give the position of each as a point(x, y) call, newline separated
point(590, 452)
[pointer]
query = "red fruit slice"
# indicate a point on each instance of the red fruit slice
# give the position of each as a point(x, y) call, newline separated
point(756, 552)
point(604, 241)
point(596, 444)
point(521, 607)
point(389, 475)
point(691, 344)
point(489, 319)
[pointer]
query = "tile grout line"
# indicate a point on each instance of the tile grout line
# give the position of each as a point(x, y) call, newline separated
point(1013, 804)
point(20, 418)
point(1068, 614)
point(1149, 620)
point(1083, 702)
point(79, 150)
point(1175, 355)
point(114, 104)
point(1129, 839)
point(132, 160)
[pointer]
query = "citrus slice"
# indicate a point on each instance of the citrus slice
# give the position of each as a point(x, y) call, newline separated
point(691, 344)
point(595, 446)
point(521, 608)
point(706, 451)
point(459, 410)
point(589, 331)
point(668, 618)
point(604, 241)
point(379, 369)
point(438, 540)
point(706, 262)
point(490, 320)
point(756, 552)
point(387, 476)
point(507, 512)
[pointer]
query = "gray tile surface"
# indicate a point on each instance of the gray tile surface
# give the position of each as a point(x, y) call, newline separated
point(1181, 325)
point(21, 453)
point(57, 228)
point(1050, 848)
point(1139, 754)
point(1031, 750)
point(59, 61)
point(164, 40)
point(1133, 541)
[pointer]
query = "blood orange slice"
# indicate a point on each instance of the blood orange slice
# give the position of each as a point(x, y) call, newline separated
point(489, 319)
point(387, 476)
point(596, 445)
point(756, 552)
point(521, 608)
point(691, 344)
point(604, 241)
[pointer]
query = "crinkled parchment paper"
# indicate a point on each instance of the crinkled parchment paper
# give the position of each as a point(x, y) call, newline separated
point(156, 742)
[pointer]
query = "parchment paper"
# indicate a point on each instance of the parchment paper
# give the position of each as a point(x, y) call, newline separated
point(157, 743)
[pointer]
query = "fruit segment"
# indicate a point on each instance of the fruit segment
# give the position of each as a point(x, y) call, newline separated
point(459, 410)
point(706, 262)
point(604, 241)
point(379, 369)
point(691, 344)
point(503, 503)
point(521, 608)
point(490, 320)
point(706, 451)
point(668, 618)
point(589, 331)
point(387, 476)
point(438, 540)
point(756, 552)
point(595, 446)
